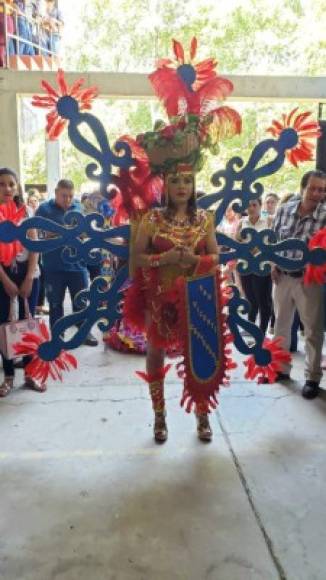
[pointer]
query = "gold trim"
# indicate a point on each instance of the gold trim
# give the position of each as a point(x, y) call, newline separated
point(217, 357)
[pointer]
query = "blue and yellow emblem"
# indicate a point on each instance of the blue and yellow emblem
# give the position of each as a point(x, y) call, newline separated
point(205, 345)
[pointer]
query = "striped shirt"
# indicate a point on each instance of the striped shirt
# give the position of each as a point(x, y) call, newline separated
point(289, 224)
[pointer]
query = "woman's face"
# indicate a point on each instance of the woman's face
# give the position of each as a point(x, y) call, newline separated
point(8, 188)
point(230, 214)
point(270, 205)
point(254, 209)
point(33, 202)
point(180, 187)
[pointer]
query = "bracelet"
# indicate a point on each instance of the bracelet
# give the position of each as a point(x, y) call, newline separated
point(155, 260)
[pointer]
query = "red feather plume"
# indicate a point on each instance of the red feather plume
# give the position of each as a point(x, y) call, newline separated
point(279, 358)
point(9, 250)
point(157, 376)
point(173, 93)
point(136, 188)
point(225, 122)
point(316, 274)
point(193, 48)
point(178, 51)
point(38, 368)
point(180, 99)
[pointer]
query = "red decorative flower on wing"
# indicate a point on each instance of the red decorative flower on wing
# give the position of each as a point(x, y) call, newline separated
point(38, 368)
point(279, 356)
point(307, 130)
point(83, 97)
point(9, 250)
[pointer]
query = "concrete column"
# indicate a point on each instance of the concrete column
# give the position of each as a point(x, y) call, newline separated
point(53, 165)
point(10, 155)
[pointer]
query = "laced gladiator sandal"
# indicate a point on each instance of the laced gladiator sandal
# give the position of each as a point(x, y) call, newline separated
point(160, 427)
point(204, 429)
point(37, 386)
point(156, 389)
point(6, 386)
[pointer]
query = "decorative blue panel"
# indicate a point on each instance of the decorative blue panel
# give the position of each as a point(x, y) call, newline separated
point(82, 238)
point(238, 181)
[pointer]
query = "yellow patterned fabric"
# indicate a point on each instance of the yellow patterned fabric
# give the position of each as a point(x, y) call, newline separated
point(166, 233)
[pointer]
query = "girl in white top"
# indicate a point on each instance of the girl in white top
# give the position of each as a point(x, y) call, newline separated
point(18, 279)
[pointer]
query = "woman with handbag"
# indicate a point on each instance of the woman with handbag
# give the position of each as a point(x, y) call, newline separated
point(18, 275)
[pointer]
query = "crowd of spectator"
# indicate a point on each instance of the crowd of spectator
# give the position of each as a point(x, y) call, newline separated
point(279, 302)
point(281, 299)
point(29, 27)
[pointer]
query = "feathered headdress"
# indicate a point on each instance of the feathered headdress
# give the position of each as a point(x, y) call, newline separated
point(190, 94)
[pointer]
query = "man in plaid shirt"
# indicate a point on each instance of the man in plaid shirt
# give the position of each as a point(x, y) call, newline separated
point(301, 218)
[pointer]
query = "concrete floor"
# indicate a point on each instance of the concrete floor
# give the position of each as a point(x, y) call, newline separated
point(86, 494)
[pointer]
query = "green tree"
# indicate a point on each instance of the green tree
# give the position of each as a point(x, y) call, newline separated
point(121, 35)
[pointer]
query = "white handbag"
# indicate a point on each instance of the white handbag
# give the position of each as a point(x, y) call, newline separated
point(12, 331)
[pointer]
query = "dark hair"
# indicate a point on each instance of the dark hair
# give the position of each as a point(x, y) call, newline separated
point(7, 171)
point(191, 207)
point(271, 194)
point(19, 197)
point(65, 184)
point(258, 199)
point(313, 173)
point(32, 191)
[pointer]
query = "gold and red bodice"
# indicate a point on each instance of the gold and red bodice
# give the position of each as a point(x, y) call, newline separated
point(154, 289)
point(166, 234)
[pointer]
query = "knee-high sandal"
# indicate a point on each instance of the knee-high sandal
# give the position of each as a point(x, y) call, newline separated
point(204, 430)
point(156, 389)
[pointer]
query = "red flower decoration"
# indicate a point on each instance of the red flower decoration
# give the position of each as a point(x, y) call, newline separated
point(169, 131)
point(38, 368)
point(9, 250)
point(269, 372)
point(84, 98)
point(307, 130)
point(316, 274)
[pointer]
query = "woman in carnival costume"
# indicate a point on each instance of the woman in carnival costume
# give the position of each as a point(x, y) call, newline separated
point(173, 241)
point(176, 241)
point(175, 295)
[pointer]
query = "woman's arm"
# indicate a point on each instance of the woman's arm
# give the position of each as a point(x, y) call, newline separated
point(142, 258)
point(10, 288)
point(203, 264)
point(211, 243)
point(189, 258)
